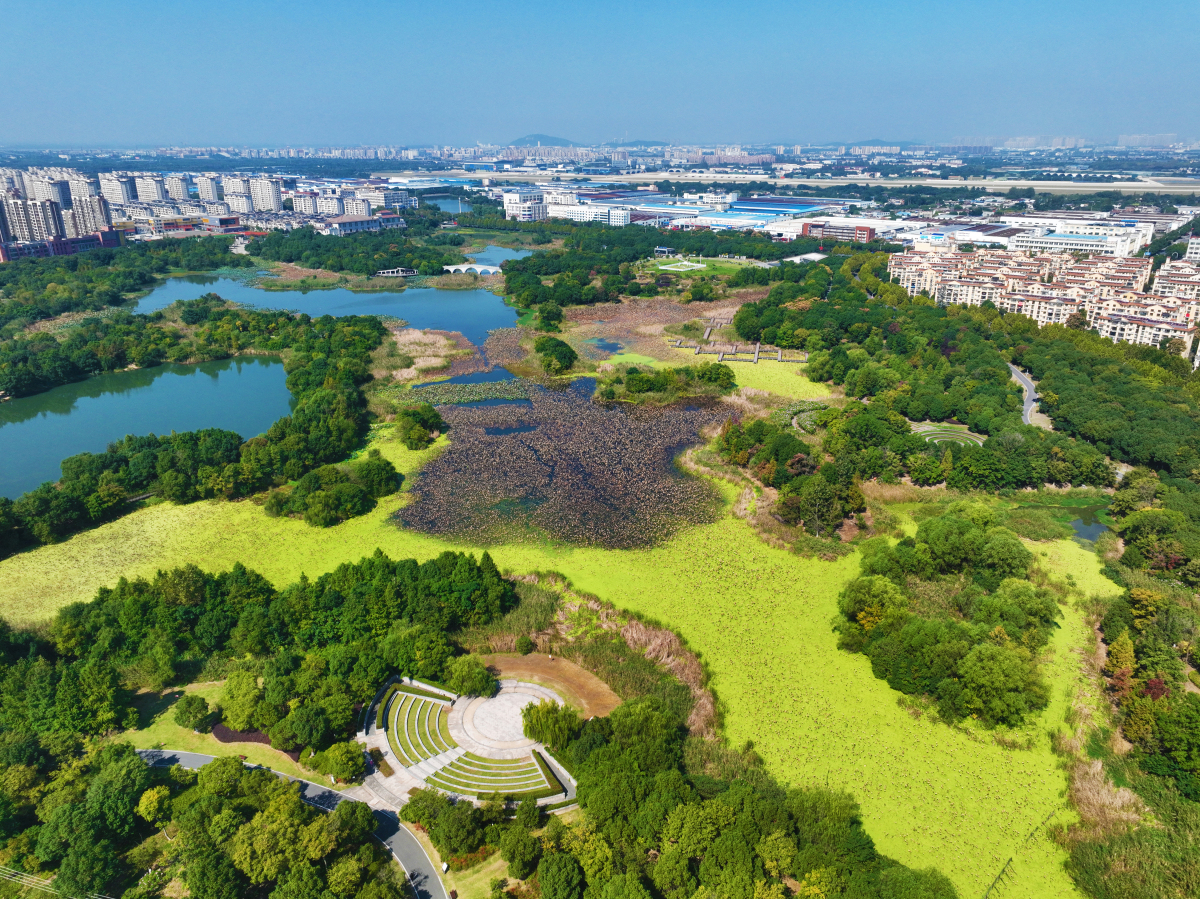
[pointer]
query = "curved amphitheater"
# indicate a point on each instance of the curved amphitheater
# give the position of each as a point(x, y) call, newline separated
point(472, 747)
point(944, 433)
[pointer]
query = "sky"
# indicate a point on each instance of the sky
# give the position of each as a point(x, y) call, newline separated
point(349, 72)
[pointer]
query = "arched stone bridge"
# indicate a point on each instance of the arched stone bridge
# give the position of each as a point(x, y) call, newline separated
point(474, 267)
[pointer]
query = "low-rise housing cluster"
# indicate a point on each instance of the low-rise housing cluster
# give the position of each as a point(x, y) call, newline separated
point(1113, 294)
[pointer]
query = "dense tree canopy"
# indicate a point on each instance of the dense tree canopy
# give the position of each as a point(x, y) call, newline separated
point(33, 289)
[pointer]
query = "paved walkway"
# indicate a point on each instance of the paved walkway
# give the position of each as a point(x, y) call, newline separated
point(1029, 410)
point(403, 845)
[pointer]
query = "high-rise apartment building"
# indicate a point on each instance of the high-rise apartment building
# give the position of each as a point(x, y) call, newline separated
point(54, 190)
point(385, 198)
point(330, 206)
point(81, 188)
point(150, 188)
point(1193, 250)
point(305, 202)
point(242, 203)
point(5, 234)
point(267, 195)
point(31, 220)
point(356, 206)
point(87, 216)
point(235, 184)
point(178, 186)
point(118, 189)
point(207, 186)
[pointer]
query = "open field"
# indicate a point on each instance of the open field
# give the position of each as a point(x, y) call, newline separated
point(575, 685)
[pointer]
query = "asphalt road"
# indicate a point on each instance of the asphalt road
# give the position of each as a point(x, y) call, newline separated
point(1030, 393)
point(403, 845)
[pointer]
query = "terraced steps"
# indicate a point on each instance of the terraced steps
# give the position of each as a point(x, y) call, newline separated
point(473, 775)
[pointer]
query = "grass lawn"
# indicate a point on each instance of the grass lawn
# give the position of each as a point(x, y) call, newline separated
point(759, 616)
point(157, 728)
point(784, 379)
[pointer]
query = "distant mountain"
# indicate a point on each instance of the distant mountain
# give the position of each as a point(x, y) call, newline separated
point(532, 140)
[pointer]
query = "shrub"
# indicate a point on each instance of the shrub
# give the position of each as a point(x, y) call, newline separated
point(525, 645)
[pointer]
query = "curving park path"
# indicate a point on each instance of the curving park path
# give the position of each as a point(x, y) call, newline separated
point(1029, 413)
point(403, 845)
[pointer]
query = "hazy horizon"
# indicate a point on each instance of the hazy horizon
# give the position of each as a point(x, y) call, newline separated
point(224, 74)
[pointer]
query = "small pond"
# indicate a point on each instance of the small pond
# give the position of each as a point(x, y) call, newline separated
point(604, 345)
point(246, 395)
point(1088, 526)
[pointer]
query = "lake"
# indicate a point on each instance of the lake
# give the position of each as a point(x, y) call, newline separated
point(245, 395)
point(447, 204)
point(473, 312)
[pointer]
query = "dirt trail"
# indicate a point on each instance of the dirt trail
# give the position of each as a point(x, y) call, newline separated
point(578, 687)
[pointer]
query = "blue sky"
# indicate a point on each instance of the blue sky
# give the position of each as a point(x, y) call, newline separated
point(144, 73)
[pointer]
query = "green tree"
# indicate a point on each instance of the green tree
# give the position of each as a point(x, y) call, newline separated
point(468, 676)
point(191, 711)
point(211, 875)
point(344, 761)
point(154, 805)
point(222, 776)
point(521, 850)
point(999, 684)
point(240, 699)
point(529, 814)
point(1120, 654)
point(560, 876)
point(550, 723)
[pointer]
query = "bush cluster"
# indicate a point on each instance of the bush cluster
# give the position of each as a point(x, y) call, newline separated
point(333, 493)
point(973, 649)
point(629, 382)
point(557, 356)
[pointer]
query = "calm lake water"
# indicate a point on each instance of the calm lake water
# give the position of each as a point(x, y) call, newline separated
point(447, 204)
point(473, 312)
point(493, 255)
point(245, 395)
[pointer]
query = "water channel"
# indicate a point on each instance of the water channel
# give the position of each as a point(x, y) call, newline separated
point(245, 395)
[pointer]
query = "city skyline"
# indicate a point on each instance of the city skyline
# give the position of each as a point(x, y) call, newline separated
point(412, 75)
